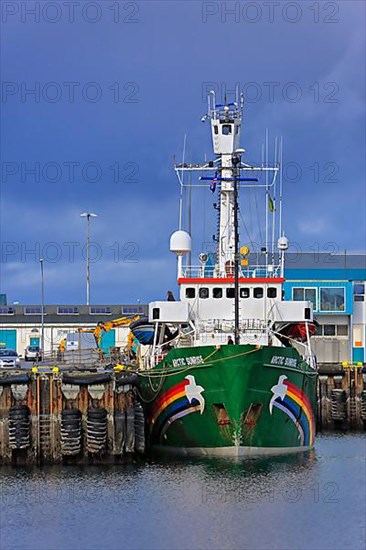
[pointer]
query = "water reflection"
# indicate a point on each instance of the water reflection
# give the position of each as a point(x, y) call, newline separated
point(196, 503)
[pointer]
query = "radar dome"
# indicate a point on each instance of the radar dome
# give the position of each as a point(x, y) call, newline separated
point(180, 242)
point(282, 243)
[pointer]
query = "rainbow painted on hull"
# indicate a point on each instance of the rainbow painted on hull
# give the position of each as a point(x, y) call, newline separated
point(298, 407)
point(237, 401)
point(172, 405)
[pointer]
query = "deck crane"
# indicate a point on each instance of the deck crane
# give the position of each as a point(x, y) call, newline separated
point(106, 326)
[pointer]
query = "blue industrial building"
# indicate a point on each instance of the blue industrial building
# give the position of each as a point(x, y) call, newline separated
point(335, 284)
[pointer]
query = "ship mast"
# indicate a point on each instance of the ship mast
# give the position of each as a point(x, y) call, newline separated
point(236, 161)
point(227, 171)
point(226, 122)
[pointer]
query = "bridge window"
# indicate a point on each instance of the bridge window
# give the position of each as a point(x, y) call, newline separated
point(190, 292)
point(258, 292)
point(203, 293)
point(244, 293)
point(217, 292)
point(230, 293)
point(271, 292)
point(216, 129)
point(226, 129)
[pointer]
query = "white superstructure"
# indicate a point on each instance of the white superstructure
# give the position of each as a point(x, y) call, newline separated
point(224, 293)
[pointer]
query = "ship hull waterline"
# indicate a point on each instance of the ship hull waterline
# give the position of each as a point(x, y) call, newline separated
point(234, 401)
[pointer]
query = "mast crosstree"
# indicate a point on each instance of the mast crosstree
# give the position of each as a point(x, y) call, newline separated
point(229, 172)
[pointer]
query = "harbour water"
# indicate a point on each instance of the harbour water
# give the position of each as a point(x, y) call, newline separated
point(313, 500)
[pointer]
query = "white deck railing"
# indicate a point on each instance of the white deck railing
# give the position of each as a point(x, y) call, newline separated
point(253, 271)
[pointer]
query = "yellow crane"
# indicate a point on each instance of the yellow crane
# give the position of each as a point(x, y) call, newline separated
point(106, 326)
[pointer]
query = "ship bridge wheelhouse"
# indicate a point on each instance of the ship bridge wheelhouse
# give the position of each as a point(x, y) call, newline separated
point(213, 298)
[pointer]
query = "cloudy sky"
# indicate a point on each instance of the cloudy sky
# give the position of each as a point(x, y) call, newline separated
point(97, 98)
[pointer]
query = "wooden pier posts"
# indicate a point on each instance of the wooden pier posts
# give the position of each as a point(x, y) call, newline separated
point(53, 417)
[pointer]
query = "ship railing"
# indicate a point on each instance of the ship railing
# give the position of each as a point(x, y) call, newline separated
point(183, 339)
point(304, 348)
point(227, 326)
point(251, 272)
point(218, 330)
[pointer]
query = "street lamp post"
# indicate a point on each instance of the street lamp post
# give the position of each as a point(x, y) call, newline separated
point(42, 307)
point(88, 215)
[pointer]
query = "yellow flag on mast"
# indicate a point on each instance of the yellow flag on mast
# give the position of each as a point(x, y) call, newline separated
point(271, 205)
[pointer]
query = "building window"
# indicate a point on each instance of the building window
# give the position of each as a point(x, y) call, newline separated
point(319, 330)
point(329, 330)
point(32, 310)
point(258, 292)
point(300, 294)
point(359, 288)
point(6, 310)
point(244, 293)
point(132, 310)
point(203, 293)
point(226, 129)
point(95, 310)
point(271, 292)
point(342, 330)
point(359, 292)
point(332, 299)
point(332, 330)
point(217, 292)
point(67, 310)
point(190, 292)
point(230, 293)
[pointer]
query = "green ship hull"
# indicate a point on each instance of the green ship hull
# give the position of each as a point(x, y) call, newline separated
point(232, 400)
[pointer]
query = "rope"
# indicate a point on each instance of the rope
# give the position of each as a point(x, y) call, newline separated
point(204, 362)
point(165, 374)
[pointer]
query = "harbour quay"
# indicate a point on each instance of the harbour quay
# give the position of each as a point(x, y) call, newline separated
point(82, 405)
point(49, 416)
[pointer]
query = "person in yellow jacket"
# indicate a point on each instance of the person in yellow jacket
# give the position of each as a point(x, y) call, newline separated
point(62, 349)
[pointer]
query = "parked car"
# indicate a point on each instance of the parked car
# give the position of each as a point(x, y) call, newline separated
point(33, 353)
point(9, 359)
